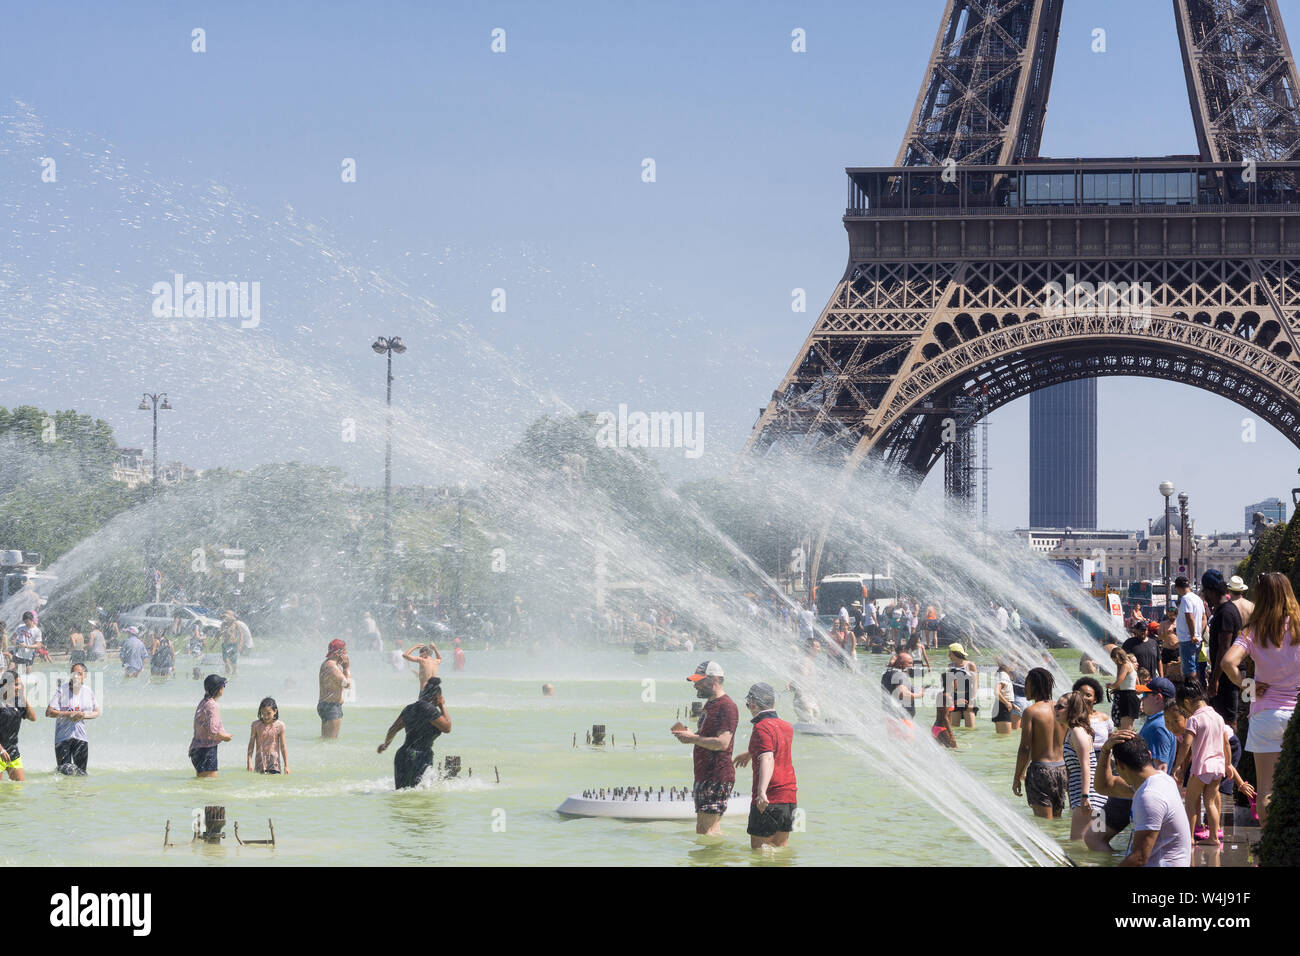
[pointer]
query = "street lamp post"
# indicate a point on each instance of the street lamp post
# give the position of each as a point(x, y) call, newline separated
point(387, 346)
point(1184, 546)
point(1167, 489)
point(155, 402)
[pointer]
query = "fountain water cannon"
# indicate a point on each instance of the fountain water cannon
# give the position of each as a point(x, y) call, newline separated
point(209, 827)
point(214, 822)
point(697, 708)
point(451, 767)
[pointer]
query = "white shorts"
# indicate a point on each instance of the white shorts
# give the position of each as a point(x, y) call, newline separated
point(1267, 728)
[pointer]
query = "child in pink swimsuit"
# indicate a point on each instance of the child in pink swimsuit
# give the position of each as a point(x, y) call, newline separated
point(1203, 750)
point(267, 752)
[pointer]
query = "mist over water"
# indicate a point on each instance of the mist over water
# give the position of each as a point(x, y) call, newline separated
point(568, 528)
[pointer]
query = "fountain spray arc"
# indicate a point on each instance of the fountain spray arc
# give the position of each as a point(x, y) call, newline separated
point(274, 373)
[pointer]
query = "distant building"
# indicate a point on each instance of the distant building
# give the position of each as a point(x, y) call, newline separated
point(1129, 556)
point(1063, 456)
point(1273, 508)
point(133, 468)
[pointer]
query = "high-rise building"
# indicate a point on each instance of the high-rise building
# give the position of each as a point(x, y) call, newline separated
point(1273, 508)
point(1063, 456)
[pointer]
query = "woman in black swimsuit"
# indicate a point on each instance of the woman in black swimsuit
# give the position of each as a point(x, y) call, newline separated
point(424, 721)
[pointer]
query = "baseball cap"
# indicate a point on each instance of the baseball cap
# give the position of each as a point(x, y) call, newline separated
point(337, 645)
point(707, 669)
point(133, 630)
point(1153, 628)
point(764, 695)
point(1162, 686)
point(957, 649)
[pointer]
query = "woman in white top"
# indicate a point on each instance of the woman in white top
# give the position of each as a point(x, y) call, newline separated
point(1127, 706)
point(1005, 718)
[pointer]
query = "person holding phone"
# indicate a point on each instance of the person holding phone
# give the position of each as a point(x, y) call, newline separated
point(335, 676)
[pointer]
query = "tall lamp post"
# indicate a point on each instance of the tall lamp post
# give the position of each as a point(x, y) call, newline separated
point(387, 346)
point(1167, 489)
point(154, 402)
point(1184, 546)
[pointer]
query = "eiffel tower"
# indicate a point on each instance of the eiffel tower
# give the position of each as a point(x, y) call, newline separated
point(946, 309)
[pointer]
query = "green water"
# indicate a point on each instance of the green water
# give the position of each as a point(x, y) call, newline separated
point(338, 804)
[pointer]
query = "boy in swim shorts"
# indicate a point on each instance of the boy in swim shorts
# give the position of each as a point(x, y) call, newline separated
point(1047, 784)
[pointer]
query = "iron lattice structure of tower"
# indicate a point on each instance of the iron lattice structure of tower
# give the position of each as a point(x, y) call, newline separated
point(1185, 268)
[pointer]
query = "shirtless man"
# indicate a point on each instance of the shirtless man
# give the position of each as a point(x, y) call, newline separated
point(1170, 662)
point(334, 677)
point(1041, 741)
point(428, 660)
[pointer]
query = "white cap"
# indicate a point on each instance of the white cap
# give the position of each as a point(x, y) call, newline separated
point(707, 669)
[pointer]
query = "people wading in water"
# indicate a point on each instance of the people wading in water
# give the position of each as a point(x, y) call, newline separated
point(424, 721)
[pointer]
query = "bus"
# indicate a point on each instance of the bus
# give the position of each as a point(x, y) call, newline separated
point(835, 591)
point(1147, 594)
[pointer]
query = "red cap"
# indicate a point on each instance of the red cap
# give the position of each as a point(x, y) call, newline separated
point(337, 645)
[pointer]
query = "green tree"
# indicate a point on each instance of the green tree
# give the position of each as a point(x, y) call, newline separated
point(1265, 555)
point(1280, 844)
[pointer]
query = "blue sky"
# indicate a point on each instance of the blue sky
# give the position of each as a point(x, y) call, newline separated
point(519, 171)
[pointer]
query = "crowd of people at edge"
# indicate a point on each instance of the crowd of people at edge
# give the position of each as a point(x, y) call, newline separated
point(1162, 761)
point(1187, 677)
point(137, 648)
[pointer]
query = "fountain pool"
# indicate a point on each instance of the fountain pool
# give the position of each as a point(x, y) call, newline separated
point(338, 805)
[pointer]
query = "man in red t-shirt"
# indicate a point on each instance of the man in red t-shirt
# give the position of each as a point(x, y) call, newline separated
point(715, 777)
point(774, 801)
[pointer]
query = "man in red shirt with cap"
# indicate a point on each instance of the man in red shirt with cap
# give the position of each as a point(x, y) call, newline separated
point(775, 795)
point(715, 777)
point(334, 676)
